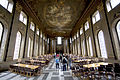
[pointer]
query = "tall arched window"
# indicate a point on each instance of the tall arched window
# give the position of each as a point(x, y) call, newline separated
point(17, 45)
point(36, 48)
point(29, 47)
point(90, 47)
point(102, 44)
point(83, 48)
point(118, 30)
point(1, 32)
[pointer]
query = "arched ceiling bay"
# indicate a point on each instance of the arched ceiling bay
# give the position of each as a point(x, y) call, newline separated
point(58, 16)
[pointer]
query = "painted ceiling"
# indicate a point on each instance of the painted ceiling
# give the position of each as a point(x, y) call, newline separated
point(58, 17)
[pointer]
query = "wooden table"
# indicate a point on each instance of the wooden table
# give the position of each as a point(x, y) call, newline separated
point(43, 61)
point(77, 61)
point(26, 66)
point(96, 64)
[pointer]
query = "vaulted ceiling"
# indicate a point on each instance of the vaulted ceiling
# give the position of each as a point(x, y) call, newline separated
point(58, 17)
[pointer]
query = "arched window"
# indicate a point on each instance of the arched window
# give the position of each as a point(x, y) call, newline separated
point(36, 48)
point(102, 44)
point(1, 32)
point(29, 47)
point(17, 45)
point(66, 44)
point(90, 47)
point(118, 30)
point(83, 47)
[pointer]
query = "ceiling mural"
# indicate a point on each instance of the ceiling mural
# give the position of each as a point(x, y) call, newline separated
point(58, 16)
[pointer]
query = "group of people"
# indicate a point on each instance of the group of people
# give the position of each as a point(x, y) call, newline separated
point(64, 60)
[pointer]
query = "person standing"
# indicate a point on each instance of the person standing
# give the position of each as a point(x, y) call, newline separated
point(57, 63)
point(64, 63)
point(60, 58)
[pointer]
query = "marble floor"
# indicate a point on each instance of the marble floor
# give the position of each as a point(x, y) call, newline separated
point(49, 73)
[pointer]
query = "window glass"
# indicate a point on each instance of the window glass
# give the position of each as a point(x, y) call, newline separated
point(86, 25)
point(17, 45)
point(90, 46)
point(4, 3)
point(59, 40)
point(23, 18)
point(108, 6)
point(70, 40)
point(37, 31)
point(102, 44)
point(118, 30)
point(41, 35)
point(112, 4)
point(77, 34)
point(96, 17)
point(10, 7)
point(66, 44)
point(32, 27)
point(75, 37)
point(81, 31)
point(7, 5)
point(1, 31)
point(29, 46)
point(36, 49)
point(83, 48)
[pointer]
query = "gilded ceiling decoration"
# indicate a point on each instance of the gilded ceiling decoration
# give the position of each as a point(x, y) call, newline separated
point(58, 16)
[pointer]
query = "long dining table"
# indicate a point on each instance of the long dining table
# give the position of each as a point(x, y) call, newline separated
point(96, 64)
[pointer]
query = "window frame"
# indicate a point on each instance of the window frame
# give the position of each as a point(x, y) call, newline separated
point(2, 33)
point(7, 6)
point(24, 16)
point(81, 30)
point(32, 26)
point(99, 44)
point(95, 18)
point(58, 40)
point(117, 32)
point(86, 25)
point(90, 46)
point(29, 46)
point(37, 31)
point(19, 47)
point(111, 6)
